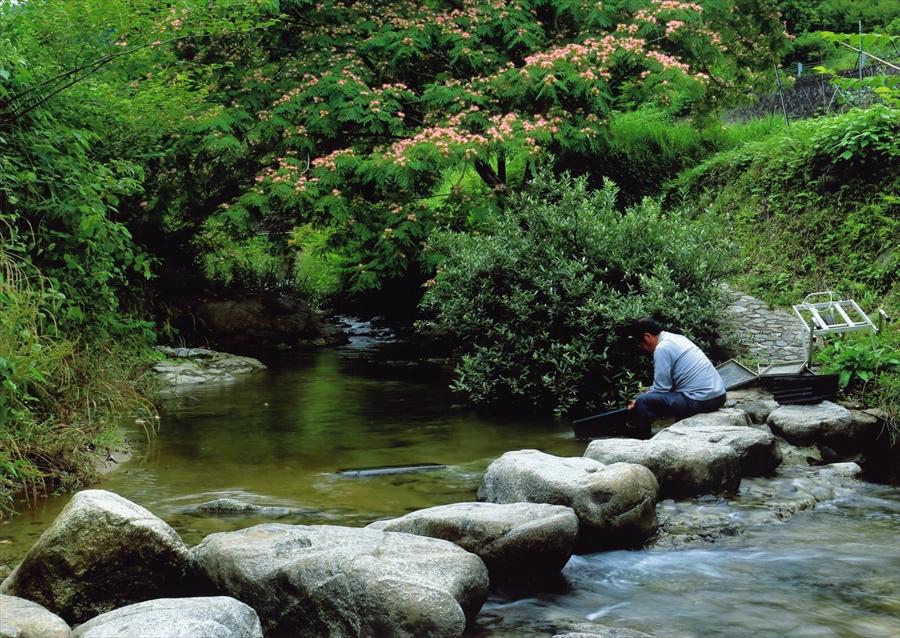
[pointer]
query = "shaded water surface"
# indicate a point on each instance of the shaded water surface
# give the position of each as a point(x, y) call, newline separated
point(277, 439)
point(280, 437)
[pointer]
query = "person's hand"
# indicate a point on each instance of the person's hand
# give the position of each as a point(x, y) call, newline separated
point(631, 406)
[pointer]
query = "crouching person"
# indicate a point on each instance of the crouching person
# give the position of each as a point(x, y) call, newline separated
point(685, 382)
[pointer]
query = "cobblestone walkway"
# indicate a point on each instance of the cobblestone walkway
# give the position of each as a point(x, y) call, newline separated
point(771, 335)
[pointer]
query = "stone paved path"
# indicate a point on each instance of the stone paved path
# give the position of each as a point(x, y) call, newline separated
point(771, 335)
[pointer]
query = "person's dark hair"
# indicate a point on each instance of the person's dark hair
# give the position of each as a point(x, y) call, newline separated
point(638, 327)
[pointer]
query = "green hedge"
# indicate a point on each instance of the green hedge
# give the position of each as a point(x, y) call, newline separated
point(534, 303)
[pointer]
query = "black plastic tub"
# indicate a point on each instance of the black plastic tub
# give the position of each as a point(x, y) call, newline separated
point(612, 423)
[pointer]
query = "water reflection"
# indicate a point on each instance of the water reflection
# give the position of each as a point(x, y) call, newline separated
point(277, 439)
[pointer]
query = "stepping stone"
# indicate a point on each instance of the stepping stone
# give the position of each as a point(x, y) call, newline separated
point(324, 580)
point(615, 503)
point(515, 540)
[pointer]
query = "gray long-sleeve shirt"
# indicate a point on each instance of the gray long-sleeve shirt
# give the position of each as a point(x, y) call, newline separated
point(680, 366)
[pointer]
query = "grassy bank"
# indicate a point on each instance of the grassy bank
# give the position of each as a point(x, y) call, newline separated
point(814, 208)
point(61, 399)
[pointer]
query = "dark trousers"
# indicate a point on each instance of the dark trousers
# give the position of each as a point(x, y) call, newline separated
point(655, 405)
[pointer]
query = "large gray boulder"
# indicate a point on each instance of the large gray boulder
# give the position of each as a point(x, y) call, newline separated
point(211, 617)
point(824, 423)
point(684, 466)
point(756, 446)
point(101, 552)
point(26, 619)
point(615, 504)
point(326, 580)
point(515, 540)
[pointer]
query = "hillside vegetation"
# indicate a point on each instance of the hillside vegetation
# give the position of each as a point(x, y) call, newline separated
point(812, 208)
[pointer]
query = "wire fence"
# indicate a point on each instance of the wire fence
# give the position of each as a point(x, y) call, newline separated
point(802, 91)
point(811, 95)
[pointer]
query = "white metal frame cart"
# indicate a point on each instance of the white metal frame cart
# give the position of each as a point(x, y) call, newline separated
point(823, 313)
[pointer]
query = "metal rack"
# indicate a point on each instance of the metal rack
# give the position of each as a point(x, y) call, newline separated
point(829, 316)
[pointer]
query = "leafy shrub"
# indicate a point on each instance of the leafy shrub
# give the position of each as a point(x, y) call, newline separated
point(859, 361)
point(860, 138)
point(317, 269)
point(811, 46)
point(534, 303)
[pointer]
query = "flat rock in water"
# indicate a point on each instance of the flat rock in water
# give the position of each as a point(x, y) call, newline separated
point(100, 553)
point(515, 540)
point(325, 580)
point(210, 617)
point(227, 506)
point(590, 630)
point(192, 366)
point(683, 466)
point(825, 423)
point(235, 507)
point(841, 470)
point(760, 501)
point(798, 455)
point(756, 446)
point(615, 504)
point(26, 619)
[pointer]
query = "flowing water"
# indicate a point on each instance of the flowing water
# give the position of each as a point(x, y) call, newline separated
point(278, 439)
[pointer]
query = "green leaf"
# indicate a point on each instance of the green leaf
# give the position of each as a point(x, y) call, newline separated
point(844, 378)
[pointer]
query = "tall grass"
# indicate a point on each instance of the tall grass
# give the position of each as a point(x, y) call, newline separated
point(61, 399)
point(640, 151)
point(645, 149)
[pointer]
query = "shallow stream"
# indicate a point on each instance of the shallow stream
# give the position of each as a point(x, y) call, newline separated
point(278, 439)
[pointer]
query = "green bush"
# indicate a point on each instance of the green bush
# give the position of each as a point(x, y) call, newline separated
point(317, 269)
point(860, 139)
point(533, 305)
